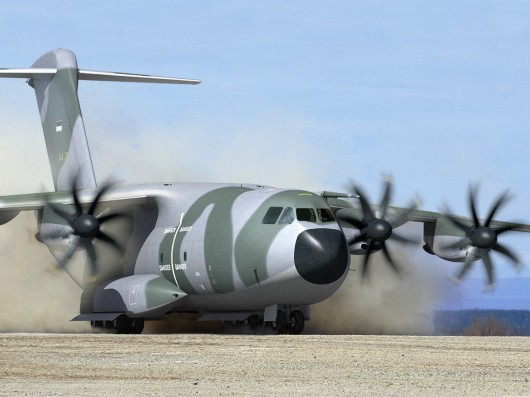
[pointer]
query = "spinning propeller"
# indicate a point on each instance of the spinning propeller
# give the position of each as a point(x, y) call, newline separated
point(84, 226)
point(377, 227)
point(482, 238)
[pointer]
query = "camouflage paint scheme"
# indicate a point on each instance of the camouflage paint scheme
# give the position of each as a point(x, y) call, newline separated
point(191, 246)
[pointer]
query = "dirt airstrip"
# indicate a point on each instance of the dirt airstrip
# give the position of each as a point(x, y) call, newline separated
point(206, 364)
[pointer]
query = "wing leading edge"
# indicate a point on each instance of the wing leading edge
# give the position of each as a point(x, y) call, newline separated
point(37, 201)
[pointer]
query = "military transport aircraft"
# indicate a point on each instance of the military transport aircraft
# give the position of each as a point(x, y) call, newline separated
point(232, 252)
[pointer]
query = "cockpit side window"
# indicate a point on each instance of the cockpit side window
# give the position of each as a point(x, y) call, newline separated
point(325, 215)
point(306, 214)
point(287, 216)
point(272, 215)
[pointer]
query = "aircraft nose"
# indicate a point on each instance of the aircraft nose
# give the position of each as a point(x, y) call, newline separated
point(321, 255)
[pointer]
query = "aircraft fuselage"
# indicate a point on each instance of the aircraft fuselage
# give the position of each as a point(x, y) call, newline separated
point(219, 242)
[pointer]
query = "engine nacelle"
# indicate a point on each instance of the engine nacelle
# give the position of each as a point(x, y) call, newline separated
point(439, 236)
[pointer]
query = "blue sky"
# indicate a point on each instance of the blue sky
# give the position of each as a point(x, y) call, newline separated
point(299, 94)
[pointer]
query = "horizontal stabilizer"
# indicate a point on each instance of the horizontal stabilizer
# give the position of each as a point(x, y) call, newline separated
point(130, 77)
point(97, 76)
point(26, 73)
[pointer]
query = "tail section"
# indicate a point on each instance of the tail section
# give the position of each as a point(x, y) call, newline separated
point(54, 77)
point(62, 122)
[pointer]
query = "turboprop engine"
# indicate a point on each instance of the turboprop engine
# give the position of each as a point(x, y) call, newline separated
point(467, 240)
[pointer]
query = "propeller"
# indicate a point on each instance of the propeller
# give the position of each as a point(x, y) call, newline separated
point(84, 226)
point(377, 227)
point(482, 238)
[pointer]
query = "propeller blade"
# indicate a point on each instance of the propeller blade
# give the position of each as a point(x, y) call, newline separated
point(105, 218)
point(401, 239)
point(78, 208)
point(65, 232)
point(109, 240)
point(392, 264)
point(506, 228)
point(95, 203)
point(471, 256)
point(472, 207)
point(62, 213)
point(462, 226)
point(367, 259)
point(501, 249)
point(503, 198)
point(91, 254)
point(72, 246)
point(368, 214)
point(398, 219)
point(486, 258)
point(386, 197)
point(359, 224)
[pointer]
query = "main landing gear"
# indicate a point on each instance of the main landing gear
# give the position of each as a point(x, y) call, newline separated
point(120, 325)
point(285, 323)
point(293, 324)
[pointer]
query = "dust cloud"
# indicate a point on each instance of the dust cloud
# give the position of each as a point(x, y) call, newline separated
point(383, 303)
point(35, 296)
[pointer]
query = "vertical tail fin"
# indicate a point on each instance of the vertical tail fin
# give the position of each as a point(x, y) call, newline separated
point(54, 78)
point(62, 122)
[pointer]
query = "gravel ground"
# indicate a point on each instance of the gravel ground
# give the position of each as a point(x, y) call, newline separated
point(205, 364)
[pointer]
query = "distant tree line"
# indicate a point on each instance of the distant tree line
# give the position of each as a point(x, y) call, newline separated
point(482, 322)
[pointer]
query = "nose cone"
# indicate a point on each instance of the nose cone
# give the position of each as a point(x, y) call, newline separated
point(321, 255)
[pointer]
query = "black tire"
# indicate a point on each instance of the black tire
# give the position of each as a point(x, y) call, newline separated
point(136, 325)
point(280, 325)
point(253, 321)
point(120, 325)
point(97, 325)
point(297, 322)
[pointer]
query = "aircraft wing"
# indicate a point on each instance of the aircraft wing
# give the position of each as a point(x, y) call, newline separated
point(340, 201)
point(10, 206)
point(432, 217)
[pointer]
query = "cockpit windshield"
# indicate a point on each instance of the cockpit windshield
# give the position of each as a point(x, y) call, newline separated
point(286, 216)
point(306, 214)
point(325, 215)
point(272, 215)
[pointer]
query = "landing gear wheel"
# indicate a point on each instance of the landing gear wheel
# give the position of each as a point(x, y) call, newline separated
point(134, 326)
point(97, 325)
point(280, 324)
point(253, 321)
point(120, 325)
point(297, 322)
